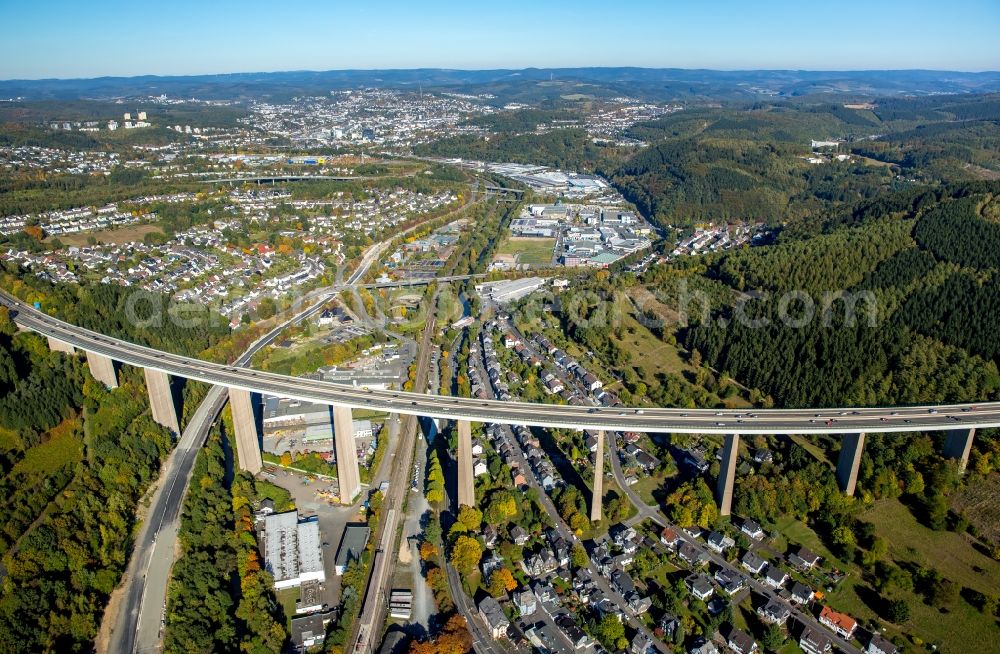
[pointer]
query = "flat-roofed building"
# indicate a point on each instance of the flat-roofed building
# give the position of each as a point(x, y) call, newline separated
point(351, 546)
point(291, 549)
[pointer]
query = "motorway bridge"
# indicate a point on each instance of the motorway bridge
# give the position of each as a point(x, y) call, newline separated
point(852, 423)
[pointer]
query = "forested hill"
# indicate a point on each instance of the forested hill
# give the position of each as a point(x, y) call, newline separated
point(926, 277)
point(75, 460)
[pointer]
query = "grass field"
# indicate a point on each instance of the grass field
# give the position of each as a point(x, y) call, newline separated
point(529, 251)
point(64, 446)
point(962, 628)
point(794, 532)
point(287, 598)
point(126, 234)
point(980, 503)
point(657, 356)
point(952, 554)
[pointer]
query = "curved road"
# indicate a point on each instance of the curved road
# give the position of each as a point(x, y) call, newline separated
point(663, 420)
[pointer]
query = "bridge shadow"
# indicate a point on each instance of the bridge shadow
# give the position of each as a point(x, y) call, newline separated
point(177, 386)
point(563, 465)
point(684, 473)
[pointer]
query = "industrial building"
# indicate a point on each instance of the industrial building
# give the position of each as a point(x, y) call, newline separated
point(352, 545)
point(509, 291)
point(297, 427)
point(291, 549)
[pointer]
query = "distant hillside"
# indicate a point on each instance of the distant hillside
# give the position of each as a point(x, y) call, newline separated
point(529, 84)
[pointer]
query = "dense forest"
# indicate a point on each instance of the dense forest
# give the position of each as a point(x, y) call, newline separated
point(922, 329)
point(75, 458)
point(64, 565)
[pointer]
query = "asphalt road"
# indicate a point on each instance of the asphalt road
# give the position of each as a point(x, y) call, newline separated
point(662, 420)
point(566, 533)
point(138, 624)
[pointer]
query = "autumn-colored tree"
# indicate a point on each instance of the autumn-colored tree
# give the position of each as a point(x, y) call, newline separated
point(427, 550)
point(453, 639)
point(471, 517)
point(465, 554)
point(501, 508)
point(501, 582)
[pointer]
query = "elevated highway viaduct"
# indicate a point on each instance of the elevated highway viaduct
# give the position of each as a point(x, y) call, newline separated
point(960, 421)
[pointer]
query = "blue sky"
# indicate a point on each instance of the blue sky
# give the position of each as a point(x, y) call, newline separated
point(74, 38)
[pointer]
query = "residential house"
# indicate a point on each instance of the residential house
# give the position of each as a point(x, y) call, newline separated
point(775, 577)
point(622, 582)
point(669, 625)
point(540, 563)
point(491, 563)
point(525, 602)
point(814, 641)
point(719, 542)
point(637, 603)
point(731, 582)
point(841, 623)
point(804, 559)
point(702, 646)
point(700, 586)
point(741, 642)
point(752, 529)
point(545, 594)
point(753, 563)
point(878, 644)
point(493, 616)
point(641, 644)
point(774, 612)
point(605, 606)
point(572, 631)
point(669, 537)
point(490, 536)
point(692, 555)
point(519, 535)
point(801, 594)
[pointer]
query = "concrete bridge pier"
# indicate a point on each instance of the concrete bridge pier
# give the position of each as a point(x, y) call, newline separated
point(727, 474)
point(245, 426)
point(850, 462)
point(161, 400)
point(466, 482)
point(59, 346)
point(596, 504)
point(102, 369)
point(348, 476)
point(958, 445)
